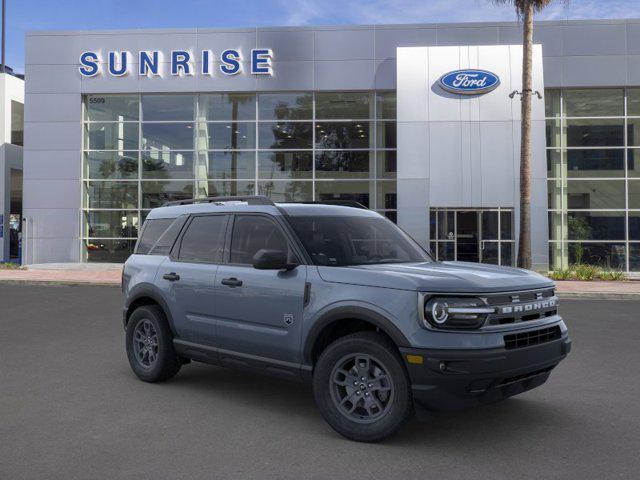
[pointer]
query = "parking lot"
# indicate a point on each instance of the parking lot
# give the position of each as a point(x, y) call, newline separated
point(71, 408)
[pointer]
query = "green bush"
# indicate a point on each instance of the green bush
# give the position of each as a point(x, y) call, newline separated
point(9, 266)
point(587, 272)
point(612, 275)
point(561, 274)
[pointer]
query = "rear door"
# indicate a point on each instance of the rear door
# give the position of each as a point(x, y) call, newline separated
point(259, 312)
point(187, 278)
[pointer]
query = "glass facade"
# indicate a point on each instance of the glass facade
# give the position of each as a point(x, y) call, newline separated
point(594, 177)
point(141, 151)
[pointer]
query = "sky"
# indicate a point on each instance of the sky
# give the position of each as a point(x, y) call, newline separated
point(26, 15)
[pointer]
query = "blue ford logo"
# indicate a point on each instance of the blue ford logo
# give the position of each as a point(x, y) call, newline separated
point(469, 82)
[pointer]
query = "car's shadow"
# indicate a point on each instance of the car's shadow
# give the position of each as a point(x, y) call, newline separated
point(499, 421)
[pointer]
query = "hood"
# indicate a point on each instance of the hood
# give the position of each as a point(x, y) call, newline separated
point(440, 277)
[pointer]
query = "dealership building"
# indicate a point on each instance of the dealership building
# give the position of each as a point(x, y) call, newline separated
point(120, 122)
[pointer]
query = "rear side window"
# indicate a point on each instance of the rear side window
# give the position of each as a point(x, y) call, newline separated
point(252, 233)
point(168, 238)
point(203, 241)
point(151, 232)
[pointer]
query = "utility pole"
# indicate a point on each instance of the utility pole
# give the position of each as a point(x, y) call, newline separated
point(4, 8)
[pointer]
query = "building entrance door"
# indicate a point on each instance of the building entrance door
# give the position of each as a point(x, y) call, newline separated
point(467, 236)
point(472, 235)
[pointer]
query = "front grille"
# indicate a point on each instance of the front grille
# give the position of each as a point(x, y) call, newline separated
point(534, 337)
point(522, 306)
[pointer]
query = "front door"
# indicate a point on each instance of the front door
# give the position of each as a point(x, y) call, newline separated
point(259, 312)
point(468, 247)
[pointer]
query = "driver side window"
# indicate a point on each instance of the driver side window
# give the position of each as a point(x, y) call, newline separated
point(252, 233)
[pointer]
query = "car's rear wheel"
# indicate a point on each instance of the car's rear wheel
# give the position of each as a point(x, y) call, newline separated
point(361, 387)
point(150, 345)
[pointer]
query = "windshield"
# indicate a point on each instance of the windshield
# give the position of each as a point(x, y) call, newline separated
point(340, 241)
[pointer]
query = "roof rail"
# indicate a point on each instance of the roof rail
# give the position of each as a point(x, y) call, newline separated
point(249, 199)
point(342, 203)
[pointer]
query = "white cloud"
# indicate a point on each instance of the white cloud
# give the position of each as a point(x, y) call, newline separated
point(303, 12)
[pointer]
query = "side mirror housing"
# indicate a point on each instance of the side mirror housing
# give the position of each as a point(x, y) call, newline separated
point(272, 260)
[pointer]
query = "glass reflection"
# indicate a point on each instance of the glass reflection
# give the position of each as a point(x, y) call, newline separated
point(285, 135)
point(343, 135)
point(227, 106)
point(164, 164)
point(111, 136)
point(157, 193)
point(343, 164)
point(347, 105)
point(111, 224)
point(171, 107)
point(110, 194)
point(283, 165)
point(283, 191)
point(111, 165)
point(228, 165)
point(227, 136)
point(111, 108)
point(285, 106)
point(167, 136)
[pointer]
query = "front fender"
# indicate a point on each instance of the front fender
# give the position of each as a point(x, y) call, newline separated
point(343, 310)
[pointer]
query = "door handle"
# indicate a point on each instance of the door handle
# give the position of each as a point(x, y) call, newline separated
point(172, 277)
point(231, 282)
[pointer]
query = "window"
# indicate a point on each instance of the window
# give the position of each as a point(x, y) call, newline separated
point(111, 224)
point(111, 108)
point(168, 108)
point(252, 233)
point(204, 239)
point(348, 105)
point(355, 240)
point(285, 106)
point(111, 165)
point(599, 102)
point(151, 232)
point(227, 106)
point(142, 150)
point(17, 123)
point(593, 171)
point(168, 238)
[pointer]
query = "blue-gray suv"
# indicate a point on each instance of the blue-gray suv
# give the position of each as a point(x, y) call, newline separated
point(337, 296)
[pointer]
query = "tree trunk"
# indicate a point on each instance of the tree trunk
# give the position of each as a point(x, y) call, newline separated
point(524, 246)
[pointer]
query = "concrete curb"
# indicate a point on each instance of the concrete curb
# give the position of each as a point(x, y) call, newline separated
point(57, 283)
point(598, 296)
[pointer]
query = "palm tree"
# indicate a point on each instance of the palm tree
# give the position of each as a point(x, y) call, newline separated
point(525, 10)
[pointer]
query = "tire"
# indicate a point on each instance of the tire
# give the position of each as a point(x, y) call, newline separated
point(148, 329)
point(384, 402)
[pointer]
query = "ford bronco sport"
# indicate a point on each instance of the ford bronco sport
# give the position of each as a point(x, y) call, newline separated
point(337, 296)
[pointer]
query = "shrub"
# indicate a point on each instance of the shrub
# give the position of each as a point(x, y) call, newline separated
point(612, 275)
point(586, 272)
point(9, 266)
point(561, 274)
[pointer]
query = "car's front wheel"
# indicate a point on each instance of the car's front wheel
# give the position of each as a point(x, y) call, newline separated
point(361, 387)
point(150, 345)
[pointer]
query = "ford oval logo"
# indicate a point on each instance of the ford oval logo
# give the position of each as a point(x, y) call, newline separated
point(469, 82)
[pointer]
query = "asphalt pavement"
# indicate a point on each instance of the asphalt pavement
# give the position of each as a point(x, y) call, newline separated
point(70, 408)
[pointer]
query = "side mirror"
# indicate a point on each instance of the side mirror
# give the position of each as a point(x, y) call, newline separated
point(272, 260)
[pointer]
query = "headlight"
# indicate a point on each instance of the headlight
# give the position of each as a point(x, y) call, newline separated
point(450, 312)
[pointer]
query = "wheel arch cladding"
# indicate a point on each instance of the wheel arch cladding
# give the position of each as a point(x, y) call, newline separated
point(146, 296)
point(342, 321)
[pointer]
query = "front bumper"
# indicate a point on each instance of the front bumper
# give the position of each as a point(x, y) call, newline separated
point(454, 379)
